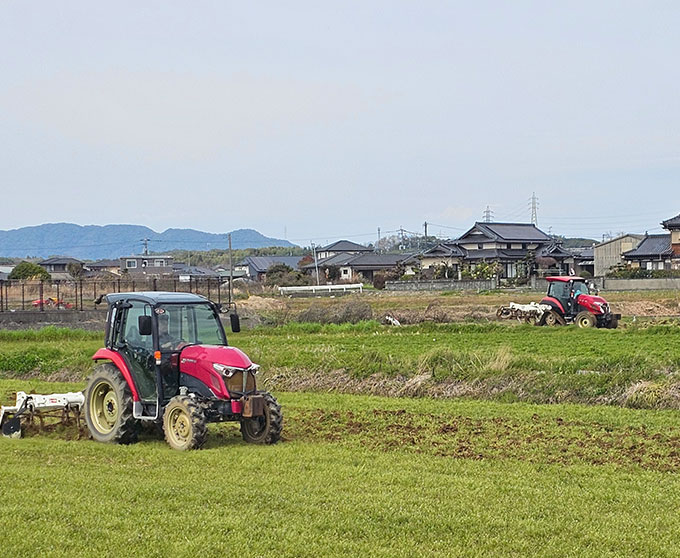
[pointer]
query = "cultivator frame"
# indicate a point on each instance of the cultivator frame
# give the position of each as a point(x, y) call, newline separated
point(63, 406)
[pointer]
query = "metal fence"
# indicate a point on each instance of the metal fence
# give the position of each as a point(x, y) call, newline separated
point(43, 296)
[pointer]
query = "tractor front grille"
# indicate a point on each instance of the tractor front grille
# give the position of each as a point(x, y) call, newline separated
point(235, 383)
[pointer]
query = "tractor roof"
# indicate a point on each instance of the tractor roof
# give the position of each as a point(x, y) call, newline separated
point(564, 278)
point(158, 297)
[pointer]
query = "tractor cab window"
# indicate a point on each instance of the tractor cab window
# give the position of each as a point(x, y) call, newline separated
point(580, 287)
point(559, 290)
point(188, 324)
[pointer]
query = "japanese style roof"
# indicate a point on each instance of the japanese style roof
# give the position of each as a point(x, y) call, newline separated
point(445, 249)
point(103, 263)
point(672, 223)
point(654, 245)
point(59, 260)
point(377, 261)
point(260, 264)
point(197, 271)
point(509, 232)
point(554, 250)
point(344, 246)
point(360, 262)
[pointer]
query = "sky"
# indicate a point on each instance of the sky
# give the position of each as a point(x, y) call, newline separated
point(314, 121)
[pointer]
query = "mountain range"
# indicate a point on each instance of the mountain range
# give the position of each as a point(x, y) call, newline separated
point(93, 242)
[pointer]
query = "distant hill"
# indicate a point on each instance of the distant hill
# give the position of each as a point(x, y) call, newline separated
point(93, 242)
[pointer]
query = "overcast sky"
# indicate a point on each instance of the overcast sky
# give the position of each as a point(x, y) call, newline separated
point(326, 120)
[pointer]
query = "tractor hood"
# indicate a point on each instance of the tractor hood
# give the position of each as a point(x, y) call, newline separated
point(198, 361)
point(595, 304)
point(207, 355)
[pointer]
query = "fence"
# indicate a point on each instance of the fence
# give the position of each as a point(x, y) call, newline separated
point(44, 296)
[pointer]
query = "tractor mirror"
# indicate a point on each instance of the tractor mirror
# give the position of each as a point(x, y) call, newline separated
point(235, 323)
point(144, 324)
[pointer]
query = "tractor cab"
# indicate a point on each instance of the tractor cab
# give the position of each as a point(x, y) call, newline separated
point(565, 291)
point(148, 331)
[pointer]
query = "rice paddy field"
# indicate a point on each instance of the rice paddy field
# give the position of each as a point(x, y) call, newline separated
point(436, 439)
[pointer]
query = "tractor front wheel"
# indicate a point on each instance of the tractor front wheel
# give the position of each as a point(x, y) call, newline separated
point(585, 319)
point(108, 406)
point(267, 428)
point(184, 423)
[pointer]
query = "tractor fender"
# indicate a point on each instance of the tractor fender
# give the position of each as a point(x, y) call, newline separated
point(554, 303)
point(119, 361)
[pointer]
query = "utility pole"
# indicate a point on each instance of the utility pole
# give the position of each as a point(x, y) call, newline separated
point(231, 270)
point(146, 245)
point(316, 264)
point(425, 225)
point(488, 215)
point(378, 245)
point(534, 209)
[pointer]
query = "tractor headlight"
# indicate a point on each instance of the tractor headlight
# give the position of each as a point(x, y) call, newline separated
point(225, 370)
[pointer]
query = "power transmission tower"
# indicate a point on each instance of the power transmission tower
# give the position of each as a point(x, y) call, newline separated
point(534, 209)
point(488, 215)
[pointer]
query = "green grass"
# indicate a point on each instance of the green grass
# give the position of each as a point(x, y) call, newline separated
point(635, 366)
point(358, 476)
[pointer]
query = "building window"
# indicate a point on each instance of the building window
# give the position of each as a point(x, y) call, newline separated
point(130, 264)
point(649, 265)
point(508, 246)
point(159, 263)
point(345, 271)
point(480, 246)
point(510, 270)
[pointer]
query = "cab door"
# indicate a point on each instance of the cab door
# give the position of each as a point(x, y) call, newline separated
point(137, 350)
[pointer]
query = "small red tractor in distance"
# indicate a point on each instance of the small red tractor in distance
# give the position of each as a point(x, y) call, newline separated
point(167, 362)
point(570, 300)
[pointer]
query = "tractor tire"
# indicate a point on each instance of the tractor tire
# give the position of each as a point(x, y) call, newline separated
point(184, 423)
point(585, 320)
point(108, 406)
point(552, 319)
point(613, 324)
point(267, 428)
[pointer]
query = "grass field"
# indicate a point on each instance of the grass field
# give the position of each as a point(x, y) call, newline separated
point(359, 476)
point(635, 366)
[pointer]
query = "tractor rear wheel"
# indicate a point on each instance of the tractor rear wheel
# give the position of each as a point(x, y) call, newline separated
point(613, 324)
point(552, 318)
point(184, 423)
point(267, 428)
point(585, 319)
point(108, 406)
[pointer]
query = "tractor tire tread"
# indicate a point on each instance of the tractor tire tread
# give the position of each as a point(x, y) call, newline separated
point(126, 429)
point(199, 427)
point(273, 432)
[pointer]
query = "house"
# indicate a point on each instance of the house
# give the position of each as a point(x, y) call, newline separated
point(341, 247)
point(104, 266)
point(608, 255)
point(194, 272)
point(255, 267)
point(584, 260)
point(357, 267)
point(58, 264)
point(657, 251)
point(147, 264)
point(654, 252)
point(512, 246)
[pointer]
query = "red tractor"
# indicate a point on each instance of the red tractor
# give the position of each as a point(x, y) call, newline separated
point(167, 362)
point(571, 301)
